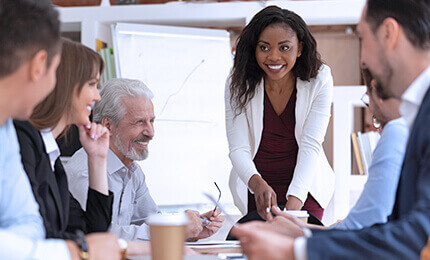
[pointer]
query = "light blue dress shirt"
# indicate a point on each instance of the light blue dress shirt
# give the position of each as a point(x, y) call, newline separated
point(377, 199)
point(19, 212)
point(21, 229)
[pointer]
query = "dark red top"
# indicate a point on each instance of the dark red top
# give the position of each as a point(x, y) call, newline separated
point(277, 154)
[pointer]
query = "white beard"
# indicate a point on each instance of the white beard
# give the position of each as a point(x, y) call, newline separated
point(131, 154)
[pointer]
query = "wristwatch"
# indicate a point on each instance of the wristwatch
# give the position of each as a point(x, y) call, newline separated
point(82, 244)
point(123, 245)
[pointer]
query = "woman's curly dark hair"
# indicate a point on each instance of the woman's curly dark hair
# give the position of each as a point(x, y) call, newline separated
point(246, 73)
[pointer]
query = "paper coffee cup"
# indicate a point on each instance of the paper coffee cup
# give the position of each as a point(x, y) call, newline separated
point(300, 214)
point(167, 233)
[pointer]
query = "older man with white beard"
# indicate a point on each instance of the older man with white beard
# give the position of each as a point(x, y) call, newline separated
point(127, 111)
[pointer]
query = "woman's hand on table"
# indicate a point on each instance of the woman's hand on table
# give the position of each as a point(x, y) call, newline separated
point(265, 196)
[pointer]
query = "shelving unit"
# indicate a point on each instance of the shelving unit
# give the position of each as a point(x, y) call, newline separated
point(345, 99)
point(93, 23)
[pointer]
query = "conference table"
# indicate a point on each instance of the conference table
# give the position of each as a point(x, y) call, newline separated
point(209, 251)
point(190, 257)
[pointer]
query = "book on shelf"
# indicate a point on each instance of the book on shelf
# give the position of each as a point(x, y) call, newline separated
point(357, 153)
point(109, 71)
point(364, 144)
point(100, 44)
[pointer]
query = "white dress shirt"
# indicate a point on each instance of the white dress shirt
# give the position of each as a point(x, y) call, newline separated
point(413, 97)
point(132, 202)
point(411, 102)
point(51, 146)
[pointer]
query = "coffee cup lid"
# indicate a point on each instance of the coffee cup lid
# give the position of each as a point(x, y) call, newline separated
point(298, 213)
point(176, 219)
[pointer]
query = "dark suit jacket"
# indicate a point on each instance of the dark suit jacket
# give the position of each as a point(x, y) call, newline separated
point(408, 228)
point(62, 214)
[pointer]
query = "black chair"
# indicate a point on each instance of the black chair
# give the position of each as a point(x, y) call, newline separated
point(252, 216)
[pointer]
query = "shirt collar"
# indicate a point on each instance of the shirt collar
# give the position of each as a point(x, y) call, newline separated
point(395, 121)
point(113, 162)
point(414, 95)
point(416, 91)
point(51, 146)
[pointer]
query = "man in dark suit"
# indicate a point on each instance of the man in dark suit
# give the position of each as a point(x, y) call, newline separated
point(395, 48)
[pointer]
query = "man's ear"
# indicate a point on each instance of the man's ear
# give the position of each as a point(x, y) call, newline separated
point(390, 33)
point(106, 122)
point(373, 84)
point(38, 65)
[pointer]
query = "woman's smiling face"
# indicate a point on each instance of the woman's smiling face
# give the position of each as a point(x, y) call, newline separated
point(82, 102)
point(277, 51)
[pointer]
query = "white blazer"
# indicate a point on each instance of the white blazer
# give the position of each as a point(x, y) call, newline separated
point(312, 172)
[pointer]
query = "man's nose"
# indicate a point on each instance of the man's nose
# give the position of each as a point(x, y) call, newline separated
point(149, 131)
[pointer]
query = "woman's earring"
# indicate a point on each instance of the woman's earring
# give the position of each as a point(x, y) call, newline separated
point(376, 123)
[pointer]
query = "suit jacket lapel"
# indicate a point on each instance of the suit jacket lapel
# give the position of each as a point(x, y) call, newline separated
point(53, 186)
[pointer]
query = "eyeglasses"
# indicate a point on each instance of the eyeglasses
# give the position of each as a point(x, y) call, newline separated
point(365, 99)
point(219, 196)
point(205, 220)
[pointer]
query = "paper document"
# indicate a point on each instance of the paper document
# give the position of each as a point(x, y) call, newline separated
point(214, 244)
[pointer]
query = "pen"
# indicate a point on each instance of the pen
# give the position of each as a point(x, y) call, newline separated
point(205, 221)
point(228, 217)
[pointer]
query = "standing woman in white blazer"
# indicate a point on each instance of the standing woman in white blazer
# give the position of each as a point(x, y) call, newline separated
point(278, 100)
